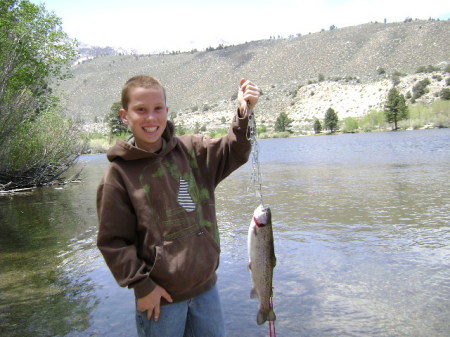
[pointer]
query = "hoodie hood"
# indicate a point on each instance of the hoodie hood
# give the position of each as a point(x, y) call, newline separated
point(128, 151)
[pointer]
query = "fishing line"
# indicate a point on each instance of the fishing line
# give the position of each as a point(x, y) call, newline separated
point(256, 179)
point(272, 329)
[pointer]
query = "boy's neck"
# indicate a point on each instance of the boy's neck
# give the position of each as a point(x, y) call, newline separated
point(163, 145)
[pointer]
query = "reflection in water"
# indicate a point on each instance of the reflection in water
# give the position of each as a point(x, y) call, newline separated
point(43, 291)
point(361, 225)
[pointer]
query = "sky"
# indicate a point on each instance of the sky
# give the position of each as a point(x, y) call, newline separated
point(148, 26)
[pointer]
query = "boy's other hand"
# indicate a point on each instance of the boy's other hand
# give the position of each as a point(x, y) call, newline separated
point(152, 302)
point(248, 96)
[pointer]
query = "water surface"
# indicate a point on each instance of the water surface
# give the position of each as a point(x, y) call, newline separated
point(362, 239)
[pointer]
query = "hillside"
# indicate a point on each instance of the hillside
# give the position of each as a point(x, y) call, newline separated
point(201, 85)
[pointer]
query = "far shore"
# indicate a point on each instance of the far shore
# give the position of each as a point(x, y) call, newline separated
point(101, 145)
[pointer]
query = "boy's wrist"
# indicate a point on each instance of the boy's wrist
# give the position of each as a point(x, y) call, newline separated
point(144, 287)
point(244, 112)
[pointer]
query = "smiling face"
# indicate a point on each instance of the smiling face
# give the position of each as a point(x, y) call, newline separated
point(146, 115)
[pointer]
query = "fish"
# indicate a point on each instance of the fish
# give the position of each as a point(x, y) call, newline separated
point(262, 261)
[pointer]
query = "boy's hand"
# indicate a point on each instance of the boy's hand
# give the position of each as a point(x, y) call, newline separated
point(248, 96)
point(152, 302)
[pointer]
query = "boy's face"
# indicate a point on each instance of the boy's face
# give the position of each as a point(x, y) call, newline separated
point(146, 116)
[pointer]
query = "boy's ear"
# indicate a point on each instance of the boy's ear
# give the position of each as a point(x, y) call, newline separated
point(123, 116)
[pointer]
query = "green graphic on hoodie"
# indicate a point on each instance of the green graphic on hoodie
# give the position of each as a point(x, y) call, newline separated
point(198, 194)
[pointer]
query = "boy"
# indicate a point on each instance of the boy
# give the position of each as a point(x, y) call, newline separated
point(157, 223)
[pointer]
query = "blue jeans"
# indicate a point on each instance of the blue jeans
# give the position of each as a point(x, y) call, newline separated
point(198, 317)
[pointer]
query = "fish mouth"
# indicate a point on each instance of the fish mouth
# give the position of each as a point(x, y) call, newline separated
point(262, 216)
point(258, 223)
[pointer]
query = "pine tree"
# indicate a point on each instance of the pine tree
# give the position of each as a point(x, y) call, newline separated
point(395, 107)
point(331, 120)
point(317, 126)
point(283, 123)
point(115, 123)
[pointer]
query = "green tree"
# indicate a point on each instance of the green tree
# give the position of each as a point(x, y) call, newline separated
point(34, 51)
point(261, 129)
point(372, 121)
point(283, 123)
point(350, 125)
point(331, 120)
point(35, 54)
point(317, 126)
point(395, 107)
point(114, 120)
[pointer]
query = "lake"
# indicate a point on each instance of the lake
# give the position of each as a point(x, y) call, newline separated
point(362, 239)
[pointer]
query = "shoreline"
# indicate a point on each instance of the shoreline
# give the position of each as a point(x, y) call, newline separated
point(103, 144)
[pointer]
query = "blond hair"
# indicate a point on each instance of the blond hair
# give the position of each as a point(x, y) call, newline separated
point(140, 81)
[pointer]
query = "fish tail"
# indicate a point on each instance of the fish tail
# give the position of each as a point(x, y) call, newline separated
point(265, 316)
point(261, 317)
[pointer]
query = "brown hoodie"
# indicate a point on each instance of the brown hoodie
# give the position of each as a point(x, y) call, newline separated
point(157, 218)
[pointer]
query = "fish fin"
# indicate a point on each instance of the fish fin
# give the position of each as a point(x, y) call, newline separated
point(261, 317)
point(264, 317)
point(271, 315)
point(249, 266)
point(273, 257)
point(272, 253)
point(253, 293)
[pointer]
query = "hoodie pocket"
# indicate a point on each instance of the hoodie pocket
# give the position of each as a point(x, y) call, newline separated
point(186, 262)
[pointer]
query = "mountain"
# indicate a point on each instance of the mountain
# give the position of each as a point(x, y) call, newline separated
point(354, 66)
point(88, 52)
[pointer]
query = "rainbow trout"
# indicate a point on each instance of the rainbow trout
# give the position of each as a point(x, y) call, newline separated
point(262, 261)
